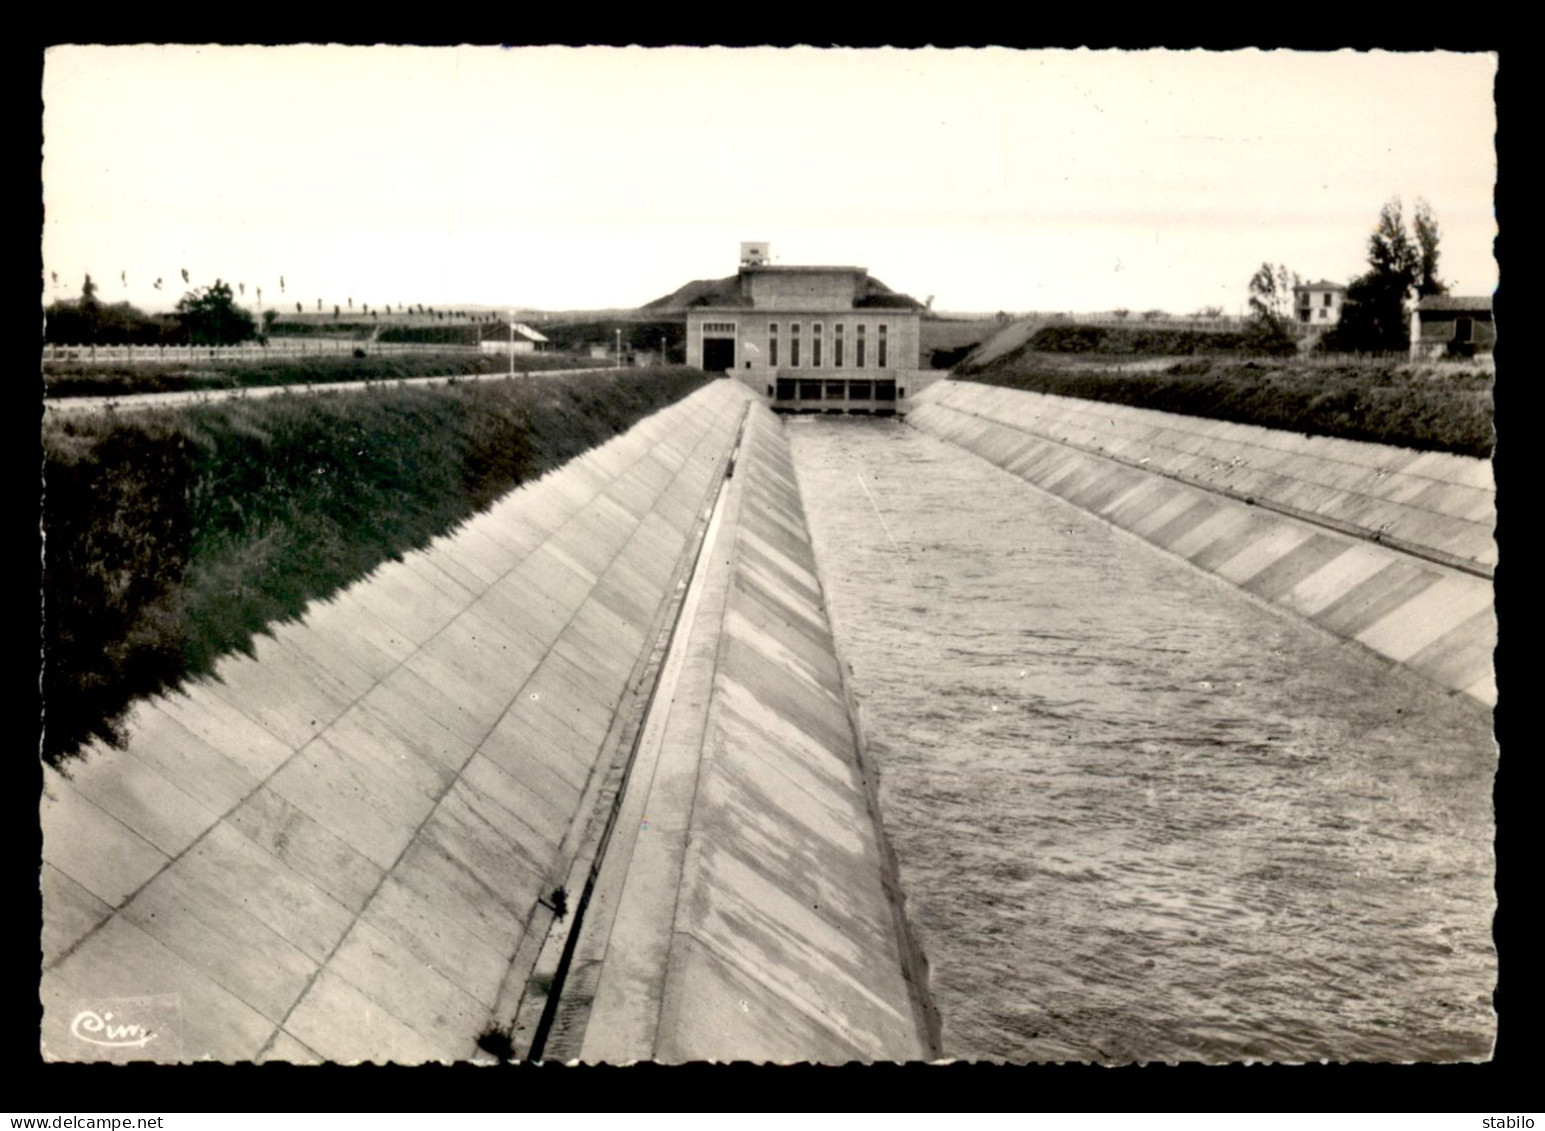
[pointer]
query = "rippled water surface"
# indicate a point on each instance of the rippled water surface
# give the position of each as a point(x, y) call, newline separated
point(1138, 815)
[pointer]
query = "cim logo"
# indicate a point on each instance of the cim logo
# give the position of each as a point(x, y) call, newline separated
point(101, 1029)
point(120, 1029)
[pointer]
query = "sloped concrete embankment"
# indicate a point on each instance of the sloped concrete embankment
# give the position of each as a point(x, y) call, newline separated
point(333, 849)
point(1390, 547)
point(747, 908)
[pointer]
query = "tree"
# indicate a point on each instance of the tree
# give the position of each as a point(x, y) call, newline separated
point(1271, 295)
point(1401, 267)
point(210, 316)
point(1426, 228)
point(1270, 329)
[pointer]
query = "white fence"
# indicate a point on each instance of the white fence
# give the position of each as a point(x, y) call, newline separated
point(248, 351)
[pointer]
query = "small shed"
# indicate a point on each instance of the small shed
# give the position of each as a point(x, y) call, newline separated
point(1448, 326)
point(526, 340)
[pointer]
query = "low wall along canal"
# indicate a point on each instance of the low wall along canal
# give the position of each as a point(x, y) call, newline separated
point(1024, 729)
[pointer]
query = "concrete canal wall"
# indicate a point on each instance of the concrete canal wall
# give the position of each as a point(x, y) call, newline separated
point(335, 848)
point(1389, 547)
point(747, 909)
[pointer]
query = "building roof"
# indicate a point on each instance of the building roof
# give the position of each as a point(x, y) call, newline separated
point(1322, 285)
point(528, 333)
point(797, 269)
point(1455, 303)
point(726, 293)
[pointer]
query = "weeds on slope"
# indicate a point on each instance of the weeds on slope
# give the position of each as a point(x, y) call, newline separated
point(109, 379)
point(1426, 407)
point(172, 536)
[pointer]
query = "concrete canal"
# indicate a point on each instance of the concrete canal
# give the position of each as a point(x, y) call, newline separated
point(832, 739)
point(1139, 814)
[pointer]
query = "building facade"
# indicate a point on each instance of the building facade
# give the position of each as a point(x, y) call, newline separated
point(812, 339)
point(1317, 306)
point(1452, 326)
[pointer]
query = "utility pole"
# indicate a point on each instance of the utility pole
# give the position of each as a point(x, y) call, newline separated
point(619, 347)
point(512, 343)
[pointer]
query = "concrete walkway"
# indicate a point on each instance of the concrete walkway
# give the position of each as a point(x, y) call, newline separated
point(746, 909)
point(333, 849)
point(1389, 547)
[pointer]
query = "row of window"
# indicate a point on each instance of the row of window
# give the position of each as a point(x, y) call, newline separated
point(787, 389)
point(816, 356)
point(839, 345)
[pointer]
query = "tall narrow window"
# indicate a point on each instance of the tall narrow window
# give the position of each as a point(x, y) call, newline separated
point(858, 349)
point(837, 346)
point(772, 343)
point(815, 345)
point(794, 344)
point(880, 348)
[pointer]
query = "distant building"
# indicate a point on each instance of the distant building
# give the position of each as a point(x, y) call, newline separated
point(527, 340)
point(1318, 305)
point(817, 339)
point(1452, 326)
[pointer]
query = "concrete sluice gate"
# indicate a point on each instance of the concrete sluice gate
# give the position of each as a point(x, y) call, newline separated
point(585, 773)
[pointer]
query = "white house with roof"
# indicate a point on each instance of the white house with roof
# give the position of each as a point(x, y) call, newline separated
point(1317, 306)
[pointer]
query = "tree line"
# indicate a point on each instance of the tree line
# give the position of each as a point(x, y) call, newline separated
point(204, 316)
point(1375, 316)
point(207, 315)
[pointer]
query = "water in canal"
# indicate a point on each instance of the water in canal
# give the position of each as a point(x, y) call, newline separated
point(1139, 816)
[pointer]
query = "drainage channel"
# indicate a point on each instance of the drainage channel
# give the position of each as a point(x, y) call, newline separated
point(666, 662)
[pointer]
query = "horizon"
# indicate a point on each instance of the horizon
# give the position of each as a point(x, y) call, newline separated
point(566, 179)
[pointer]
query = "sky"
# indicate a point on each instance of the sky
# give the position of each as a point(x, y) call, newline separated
point(570, 178)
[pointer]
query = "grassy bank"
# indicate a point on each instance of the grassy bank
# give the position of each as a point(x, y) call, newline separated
point(77, 379)
point(173, 535)
point(1427, 407)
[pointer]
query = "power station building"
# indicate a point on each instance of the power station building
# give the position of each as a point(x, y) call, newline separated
point(815, 339)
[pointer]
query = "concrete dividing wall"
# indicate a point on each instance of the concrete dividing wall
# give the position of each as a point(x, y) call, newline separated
point(746, 909)
point(1389, 547)
point(333, 849)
